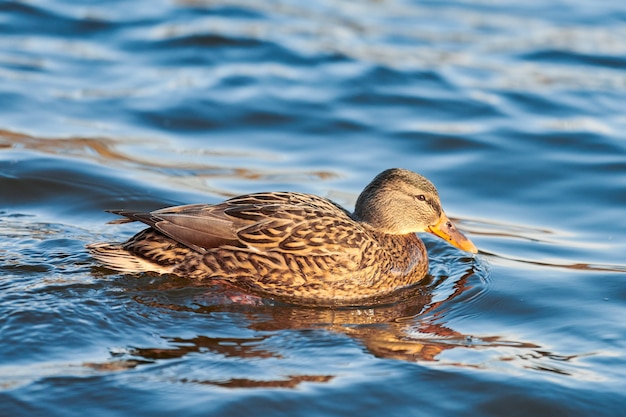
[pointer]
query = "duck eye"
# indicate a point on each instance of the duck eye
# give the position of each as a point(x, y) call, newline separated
point(421, 197)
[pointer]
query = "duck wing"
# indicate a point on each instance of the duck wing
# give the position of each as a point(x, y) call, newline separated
point(197, 226)
point(278, 222)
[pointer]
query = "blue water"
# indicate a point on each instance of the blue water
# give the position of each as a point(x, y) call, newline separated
point(515, 110)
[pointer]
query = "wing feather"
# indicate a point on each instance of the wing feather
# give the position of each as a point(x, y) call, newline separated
point(300, 224)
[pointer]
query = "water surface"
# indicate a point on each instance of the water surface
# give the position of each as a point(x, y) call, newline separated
point(514, 110)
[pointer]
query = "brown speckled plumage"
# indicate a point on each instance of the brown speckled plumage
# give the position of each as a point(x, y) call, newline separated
point(296, 247)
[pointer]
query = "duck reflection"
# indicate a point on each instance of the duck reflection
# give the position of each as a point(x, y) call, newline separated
point(403, 327)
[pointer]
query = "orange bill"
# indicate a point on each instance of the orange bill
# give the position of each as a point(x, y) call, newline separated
point(446, 230)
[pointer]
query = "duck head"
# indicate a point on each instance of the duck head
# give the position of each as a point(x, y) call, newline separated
point(399, 201)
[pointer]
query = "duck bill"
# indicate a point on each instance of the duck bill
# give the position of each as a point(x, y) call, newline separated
point(448, 232)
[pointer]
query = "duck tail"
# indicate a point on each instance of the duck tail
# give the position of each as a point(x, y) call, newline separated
point(114, 256)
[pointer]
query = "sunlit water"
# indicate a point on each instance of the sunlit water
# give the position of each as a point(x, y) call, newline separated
point(515, 110)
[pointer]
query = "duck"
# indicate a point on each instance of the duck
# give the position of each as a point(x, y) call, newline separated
point(293, 247)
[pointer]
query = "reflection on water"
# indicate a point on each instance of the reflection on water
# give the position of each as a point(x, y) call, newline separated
point(107, 151)
point(408, 329)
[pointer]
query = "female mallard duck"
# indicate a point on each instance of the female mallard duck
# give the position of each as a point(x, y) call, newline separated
point(296, 247)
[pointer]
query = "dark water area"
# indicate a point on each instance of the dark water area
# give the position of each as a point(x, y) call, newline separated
point(515, 110)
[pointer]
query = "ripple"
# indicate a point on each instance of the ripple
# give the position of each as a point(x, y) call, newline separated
point(566, 257)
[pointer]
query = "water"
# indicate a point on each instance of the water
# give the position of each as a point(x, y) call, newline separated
point(514, 110)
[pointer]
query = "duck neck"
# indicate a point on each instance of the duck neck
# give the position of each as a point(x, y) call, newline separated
point(405, 252)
